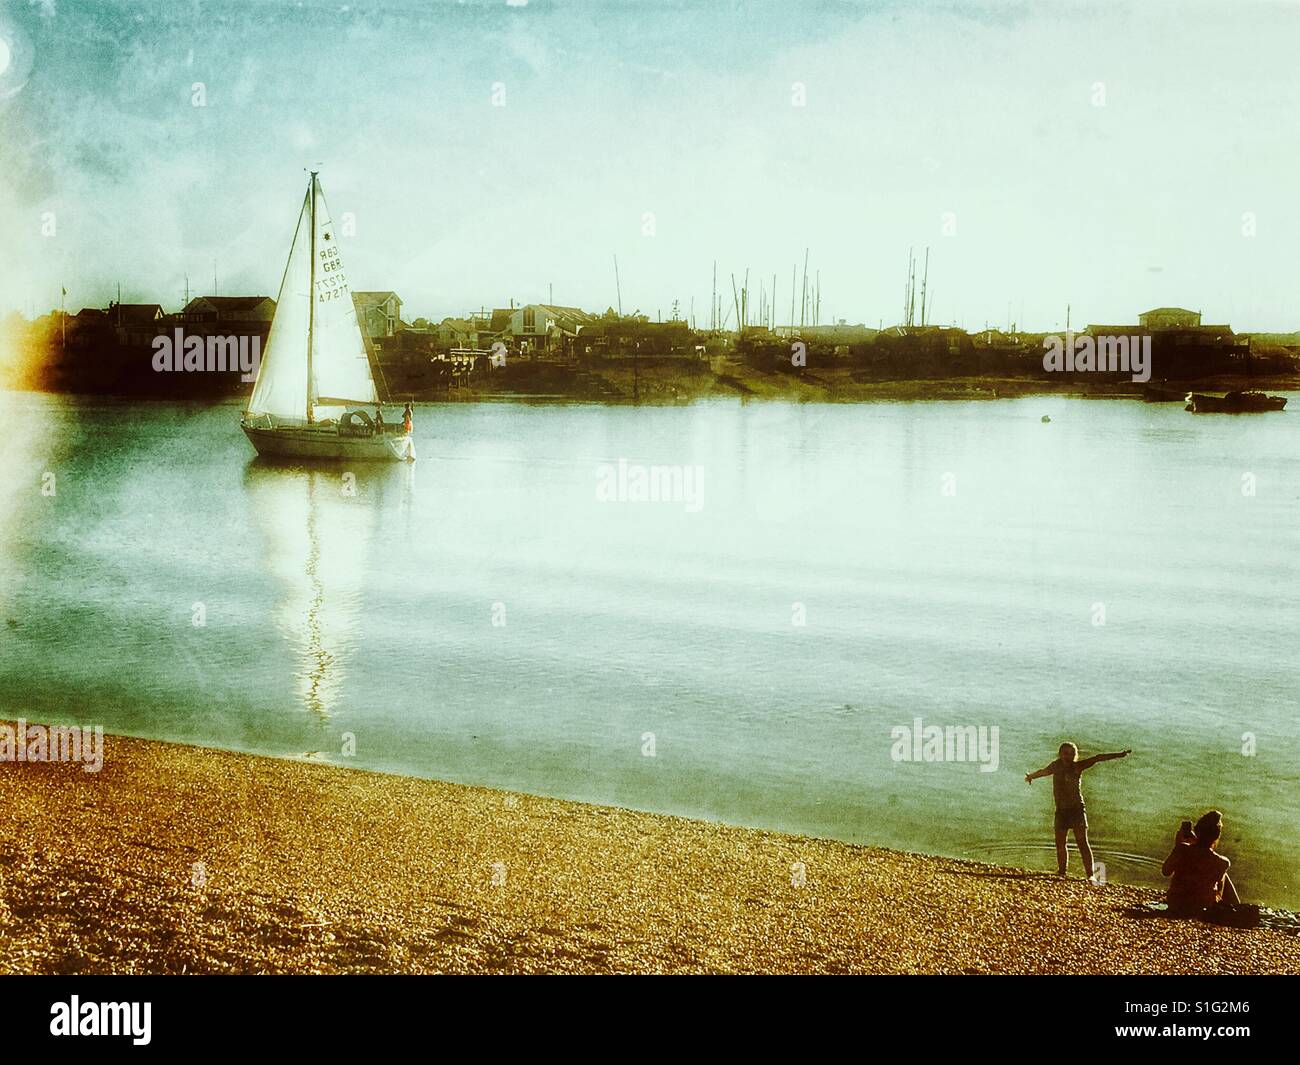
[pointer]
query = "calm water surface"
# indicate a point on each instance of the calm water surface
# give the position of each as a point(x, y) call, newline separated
point(372, 613)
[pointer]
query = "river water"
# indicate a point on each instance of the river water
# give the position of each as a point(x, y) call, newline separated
point(504, 612)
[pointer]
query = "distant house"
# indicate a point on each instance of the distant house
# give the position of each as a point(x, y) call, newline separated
point(89, 328)
point(378, 313)
point(135, 323)
point(240, 309)
point(118, 323)
point(1184, 351)
point(1177, 334)
point(124, 314)
point(1169, 318)
point(458, 333)
point(543, 328)
point(498, 321)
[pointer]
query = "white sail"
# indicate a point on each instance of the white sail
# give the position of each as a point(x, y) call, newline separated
point(340, 367)
point(281, 388)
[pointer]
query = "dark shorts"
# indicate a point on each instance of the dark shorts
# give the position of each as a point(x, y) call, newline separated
point(1068, 819)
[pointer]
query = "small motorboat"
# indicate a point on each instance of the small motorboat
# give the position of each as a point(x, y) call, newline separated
point(1233, 403)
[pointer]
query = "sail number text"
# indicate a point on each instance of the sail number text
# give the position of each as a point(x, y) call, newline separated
point(334, 284)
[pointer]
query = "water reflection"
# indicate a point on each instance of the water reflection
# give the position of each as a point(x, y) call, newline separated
point(317, 524)
point(329, 612)
point(25, 491)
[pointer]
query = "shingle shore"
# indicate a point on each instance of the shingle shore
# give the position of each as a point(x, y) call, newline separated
point(178, 859)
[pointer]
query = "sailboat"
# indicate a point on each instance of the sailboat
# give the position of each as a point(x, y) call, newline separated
point(314, 383)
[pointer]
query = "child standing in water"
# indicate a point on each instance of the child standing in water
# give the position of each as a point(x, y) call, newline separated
point(1066, 773)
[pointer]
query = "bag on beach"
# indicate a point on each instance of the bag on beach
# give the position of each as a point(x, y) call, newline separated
point(1234, 914)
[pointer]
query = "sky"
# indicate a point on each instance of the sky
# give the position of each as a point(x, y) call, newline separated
point(1107, 157)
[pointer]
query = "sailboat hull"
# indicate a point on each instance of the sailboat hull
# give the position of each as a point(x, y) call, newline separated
point(326, 444)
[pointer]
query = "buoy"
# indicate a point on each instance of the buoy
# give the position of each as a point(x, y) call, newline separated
point(1046, 419)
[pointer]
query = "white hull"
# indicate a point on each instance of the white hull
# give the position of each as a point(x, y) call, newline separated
point(324, 443)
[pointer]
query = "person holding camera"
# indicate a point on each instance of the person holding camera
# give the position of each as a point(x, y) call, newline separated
point(1200, 880)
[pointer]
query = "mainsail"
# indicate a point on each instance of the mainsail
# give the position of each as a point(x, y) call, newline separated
point(339, 366)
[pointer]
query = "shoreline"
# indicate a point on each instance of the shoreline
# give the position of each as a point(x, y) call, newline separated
point(662, 385)
point(179, 859)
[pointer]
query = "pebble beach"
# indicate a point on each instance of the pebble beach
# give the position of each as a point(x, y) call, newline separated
point(176, 859)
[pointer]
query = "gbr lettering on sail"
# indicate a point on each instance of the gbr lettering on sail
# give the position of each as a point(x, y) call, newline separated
point(331, 282)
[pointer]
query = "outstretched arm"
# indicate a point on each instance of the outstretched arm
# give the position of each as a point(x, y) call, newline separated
point(1088, 763)
point(1046, 771)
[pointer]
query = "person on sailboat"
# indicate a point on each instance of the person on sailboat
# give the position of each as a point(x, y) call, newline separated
point(379, 421)
point(407, 417)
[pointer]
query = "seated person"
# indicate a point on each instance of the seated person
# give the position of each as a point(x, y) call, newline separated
point(1200, 880)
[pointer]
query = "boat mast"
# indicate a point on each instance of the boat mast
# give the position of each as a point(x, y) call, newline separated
point(925, 282)
point(311, 295)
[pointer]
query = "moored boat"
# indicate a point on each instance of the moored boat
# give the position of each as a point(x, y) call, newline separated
point(1233, 403)
point(314, 384)
point(1164, 394)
